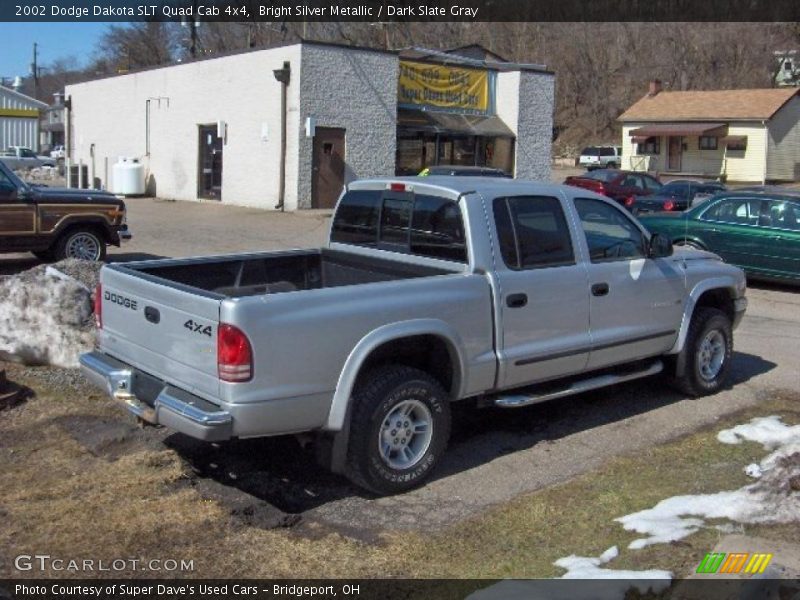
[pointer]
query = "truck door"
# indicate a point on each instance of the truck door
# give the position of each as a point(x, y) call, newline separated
point(542, 291)
point(17, 216)
point(635, 302)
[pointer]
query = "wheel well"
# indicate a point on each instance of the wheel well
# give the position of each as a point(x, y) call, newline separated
point(717, 298)
point(429, 353)
point(98, 227)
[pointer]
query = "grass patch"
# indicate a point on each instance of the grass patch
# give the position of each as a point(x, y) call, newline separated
point(60, 499)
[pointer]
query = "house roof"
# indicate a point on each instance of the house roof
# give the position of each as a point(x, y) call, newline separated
point(715, 105)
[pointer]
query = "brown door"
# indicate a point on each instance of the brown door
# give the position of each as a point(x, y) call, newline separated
point(209, 176)
point(327, 177)
point(675, 151)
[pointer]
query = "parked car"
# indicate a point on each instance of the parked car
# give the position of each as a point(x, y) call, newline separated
point(676, 195)
point(621, 186)
point(17, 157)
point(430, 290)
point(58, 152)
point(461, 170)
point(600, 157)
point(56, 223)
point(757, 231)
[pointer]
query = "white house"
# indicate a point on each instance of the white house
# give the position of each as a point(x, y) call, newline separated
point(736, 135)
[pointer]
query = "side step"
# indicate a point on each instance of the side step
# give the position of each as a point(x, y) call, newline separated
point(576, 387)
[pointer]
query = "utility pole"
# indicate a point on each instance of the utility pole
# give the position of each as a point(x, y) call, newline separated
point(35, 70)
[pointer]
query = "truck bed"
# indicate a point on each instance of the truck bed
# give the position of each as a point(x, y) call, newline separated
point(278, 272)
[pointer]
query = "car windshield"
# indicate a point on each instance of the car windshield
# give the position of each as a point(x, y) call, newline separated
point(601, 175)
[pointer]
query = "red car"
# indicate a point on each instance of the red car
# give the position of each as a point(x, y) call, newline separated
point(622, 186)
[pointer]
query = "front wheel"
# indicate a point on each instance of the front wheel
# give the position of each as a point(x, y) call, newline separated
point(709, 346)
point(83, 244)
point(399, 429)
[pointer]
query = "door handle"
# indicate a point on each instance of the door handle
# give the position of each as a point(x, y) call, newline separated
point(516, 300)
point(599, 289)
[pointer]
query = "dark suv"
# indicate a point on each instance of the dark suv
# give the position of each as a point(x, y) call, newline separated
point(57, 223)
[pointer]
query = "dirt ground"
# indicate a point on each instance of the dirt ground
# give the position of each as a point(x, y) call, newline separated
point(79, 478)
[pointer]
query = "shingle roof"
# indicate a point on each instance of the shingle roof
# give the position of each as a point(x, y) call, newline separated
point(725, 105)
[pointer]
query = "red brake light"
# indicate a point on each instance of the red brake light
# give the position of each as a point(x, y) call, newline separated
point(629, 201)
point(234, 355)
point(397, 187)
point(98, 306)
point(669, 205)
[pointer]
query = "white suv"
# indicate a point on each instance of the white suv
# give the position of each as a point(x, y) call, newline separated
point(601, 157)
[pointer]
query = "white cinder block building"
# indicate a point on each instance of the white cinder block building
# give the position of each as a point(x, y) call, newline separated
point(221, 128)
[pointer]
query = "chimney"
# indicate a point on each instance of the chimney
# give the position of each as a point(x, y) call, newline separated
point(655, 87)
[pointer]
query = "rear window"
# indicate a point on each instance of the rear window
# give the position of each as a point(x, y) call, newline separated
point(601, 175)
point(411, 223)
point(590, 151)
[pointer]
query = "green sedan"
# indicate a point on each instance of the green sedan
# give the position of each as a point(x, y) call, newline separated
point(757, 231)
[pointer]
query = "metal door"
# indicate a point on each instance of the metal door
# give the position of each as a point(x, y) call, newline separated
point(327, 179)
point(209, 180)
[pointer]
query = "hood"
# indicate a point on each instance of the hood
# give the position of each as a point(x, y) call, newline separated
point(74, 195)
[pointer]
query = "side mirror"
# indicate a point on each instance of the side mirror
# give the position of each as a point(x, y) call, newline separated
point(659, 246)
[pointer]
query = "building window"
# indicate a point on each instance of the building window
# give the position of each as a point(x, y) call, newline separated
point(708, 142)
point(737, 144)
point(651, 145)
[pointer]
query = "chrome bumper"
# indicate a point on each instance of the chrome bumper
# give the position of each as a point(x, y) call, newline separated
point(170, 407)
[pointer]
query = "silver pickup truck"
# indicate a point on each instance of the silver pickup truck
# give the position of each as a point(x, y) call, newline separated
point(429, 291)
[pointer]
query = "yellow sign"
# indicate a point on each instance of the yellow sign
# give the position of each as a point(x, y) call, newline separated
point(442, 86)
point(19, 112)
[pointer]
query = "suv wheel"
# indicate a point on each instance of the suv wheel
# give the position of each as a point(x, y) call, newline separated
point(709, 346)
point(612, 165)
point(83, 244)
point(399, 429)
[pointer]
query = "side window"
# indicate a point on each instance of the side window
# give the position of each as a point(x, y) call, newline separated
point(743, 211)
point(437, 229)
point(533, 232)
point(356, 220)
point(651, 184)
point(782, 214)
point(610, 234)
point(632, 181)
point(7, 187)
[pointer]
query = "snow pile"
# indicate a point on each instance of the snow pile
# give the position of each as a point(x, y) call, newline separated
point(46, 317)
point(772, 499)
point(589, 567)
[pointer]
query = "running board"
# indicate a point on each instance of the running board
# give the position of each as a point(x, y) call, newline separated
point(517, 400)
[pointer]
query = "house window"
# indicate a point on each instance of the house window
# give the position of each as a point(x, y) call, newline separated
point(708, 142)
point(651, 145)
point(737, 144)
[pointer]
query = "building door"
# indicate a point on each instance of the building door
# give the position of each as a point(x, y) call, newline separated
point(327, 179)
point(675, 150)
point(209, 177)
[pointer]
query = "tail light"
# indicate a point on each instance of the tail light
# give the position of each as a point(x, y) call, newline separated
point(629, 201)
point(669, 205)
point(98, 306)
point(234, 354)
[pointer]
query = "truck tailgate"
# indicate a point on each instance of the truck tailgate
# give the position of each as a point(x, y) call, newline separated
point(163, 330)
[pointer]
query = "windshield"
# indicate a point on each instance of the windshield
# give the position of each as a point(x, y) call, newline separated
point(601, 175)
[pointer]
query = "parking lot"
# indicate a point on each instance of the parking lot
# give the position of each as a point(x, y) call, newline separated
point(496, 457)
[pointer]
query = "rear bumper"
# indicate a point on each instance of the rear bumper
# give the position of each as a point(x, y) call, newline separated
point(170, 407)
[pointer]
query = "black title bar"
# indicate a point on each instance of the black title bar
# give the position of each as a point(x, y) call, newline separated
point(399, 10)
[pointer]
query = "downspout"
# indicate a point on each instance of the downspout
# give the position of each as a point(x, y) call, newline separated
point(283, 75)
point(766, 151)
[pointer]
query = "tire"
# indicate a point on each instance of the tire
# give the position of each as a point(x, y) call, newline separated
point(379, 458)
point(709, 346)
point(612, 165)
point(84, 244)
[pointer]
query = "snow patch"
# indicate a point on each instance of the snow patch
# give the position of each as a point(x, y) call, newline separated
point(589, 567)
point(46, 317)
point(773, 499)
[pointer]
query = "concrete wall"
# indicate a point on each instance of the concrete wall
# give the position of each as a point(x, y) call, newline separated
point(357, 91)
point(239, 89)
point(534, 125)
point(783, 159)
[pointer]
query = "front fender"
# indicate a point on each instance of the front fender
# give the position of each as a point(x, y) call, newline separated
point(340, 405)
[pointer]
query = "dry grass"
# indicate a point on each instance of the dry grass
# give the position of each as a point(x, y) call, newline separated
point(61, 499)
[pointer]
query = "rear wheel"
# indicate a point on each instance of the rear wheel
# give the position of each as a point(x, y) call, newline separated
point(709, 346)
point(83, 244)
point(399, 429)
point(612, 165)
